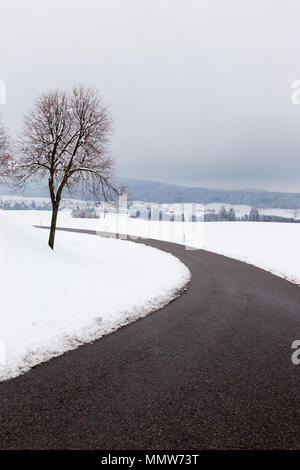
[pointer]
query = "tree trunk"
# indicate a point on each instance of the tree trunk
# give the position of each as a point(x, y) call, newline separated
point(53, 226)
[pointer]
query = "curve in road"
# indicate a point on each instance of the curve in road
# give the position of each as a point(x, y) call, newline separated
point(211, 370)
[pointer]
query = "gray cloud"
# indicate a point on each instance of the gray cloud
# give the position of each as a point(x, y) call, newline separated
point(199, 89)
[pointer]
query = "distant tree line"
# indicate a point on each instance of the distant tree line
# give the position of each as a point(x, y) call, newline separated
point(223, 215)
point(24, 206)
point(254, 215)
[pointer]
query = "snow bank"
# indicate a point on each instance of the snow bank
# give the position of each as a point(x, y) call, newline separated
point(52, 302)
point(271, 246)
point(267, 245)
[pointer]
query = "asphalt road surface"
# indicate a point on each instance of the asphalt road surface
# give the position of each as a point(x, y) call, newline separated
point(211, 370)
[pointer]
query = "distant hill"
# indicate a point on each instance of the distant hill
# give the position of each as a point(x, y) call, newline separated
point(32, 190)
point(152, 191)
point(145, 190)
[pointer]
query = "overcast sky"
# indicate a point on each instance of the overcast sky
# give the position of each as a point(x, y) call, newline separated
point(200, 91)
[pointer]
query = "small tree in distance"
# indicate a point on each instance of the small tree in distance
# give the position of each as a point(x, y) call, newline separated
point(254, 215)
point(231, 215)
point(223, 214)
point(65, 139)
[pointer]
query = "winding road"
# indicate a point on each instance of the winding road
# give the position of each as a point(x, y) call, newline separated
point(211, 370)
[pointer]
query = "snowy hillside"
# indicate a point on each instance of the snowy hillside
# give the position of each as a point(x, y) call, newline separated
point(271, 246)
point(52, 302)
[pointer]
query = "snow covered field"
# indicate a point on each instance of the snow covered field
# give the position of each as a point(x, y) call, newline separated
point(52, 302)
point(271, 246)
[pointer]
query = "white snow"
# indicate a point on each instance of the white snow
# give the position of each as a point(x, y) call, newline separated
point(271, 246)
point(88, 286)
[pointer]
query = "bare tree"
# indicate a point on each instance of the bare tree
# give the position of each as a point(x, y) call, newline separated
point(65, 139)
point(5, 155)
